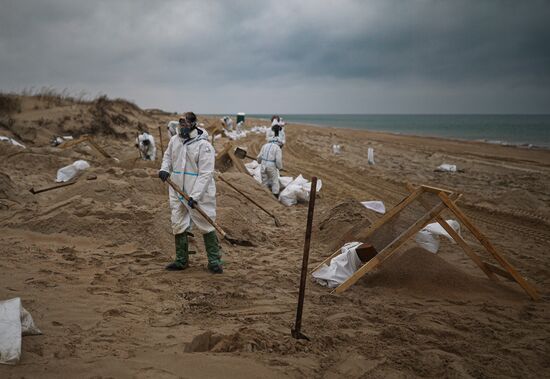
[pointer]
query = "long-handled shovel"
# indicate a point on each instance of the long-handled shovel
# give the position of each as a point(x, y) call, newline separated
point(296, 331)
point(233, 241)
point(277, 222)
point(34, 192)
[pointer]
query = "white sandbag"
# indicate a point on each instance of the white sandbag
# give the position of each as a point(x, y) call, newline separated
point(303, 194)
point(340, 267)
point(336, 150)
point(375, 205)
point(254, 169)
point(370, 155)
point(11, 141)
point(297, 190)
point(284, 181)
point(68, 172)
point(15, 322)
point(445, 167)
point(428, 237)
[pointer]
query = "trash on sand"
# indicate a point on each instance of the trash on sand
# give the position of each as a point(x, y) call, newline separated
point(259, 129)
point(377, 206)
point(11, 141)
point(336, 149)
point(445, 167)
point(235, 134)
point(428, 238)
point(297, 190)
point(15, 322)
point(68, 172)
point(370, 155)
point(340, 268)
point(57, 140)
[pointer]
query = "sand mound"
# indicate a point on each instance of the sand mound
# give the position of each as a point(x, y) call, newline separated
point(422, 273)
point(335, 223)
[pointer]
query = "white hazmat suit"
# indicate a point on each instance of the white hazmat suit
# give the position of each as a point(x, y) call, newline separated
point(271, 159)
point(191, 168)
point(148, 149)
point(270, 134)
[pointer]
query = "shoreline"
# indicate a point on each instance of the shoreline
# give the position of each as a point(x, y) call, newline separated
point(522, 146)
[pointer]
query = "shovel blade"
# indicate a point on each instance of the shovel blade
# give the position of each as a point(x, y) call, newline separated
point(240, 153)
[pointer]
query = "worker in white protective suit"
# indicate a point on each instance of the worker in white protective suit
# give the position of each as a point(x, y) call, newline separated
point(227, 122)
point(271, 160)
point(146, 145)
point(277, 130)
point(189, 162)
point(172, 128)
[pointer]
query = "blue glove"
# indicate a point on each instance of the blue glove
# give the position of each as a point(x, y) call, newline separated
point(163, 175)
point(191, 202)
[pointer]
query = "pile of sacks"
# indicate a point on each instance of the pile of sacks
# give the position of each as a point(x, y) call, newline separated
point(293, 190)
point(260, 129)
point(235, 134)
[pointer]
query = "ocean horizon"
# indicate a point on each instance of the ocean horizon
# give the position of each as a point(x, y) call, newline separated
point(509, 129)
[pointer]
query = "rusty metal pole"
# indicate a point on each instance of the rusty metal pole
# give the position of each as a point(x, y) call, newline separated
point(296, 331)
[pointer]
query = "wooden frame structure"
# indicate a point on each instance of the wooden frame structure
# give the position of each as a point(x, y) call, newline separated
point(446, 200)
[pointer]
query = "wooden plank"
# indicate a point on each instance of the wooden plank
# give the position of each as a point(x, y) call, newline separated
point(458, 238)
point(531, 291)
point(436, 189)
point(238, 163)
point(392, 247)
point(497, 270)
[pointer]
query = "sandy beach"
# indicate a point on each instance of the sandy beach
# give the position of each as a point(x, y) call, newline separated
point(88, 260)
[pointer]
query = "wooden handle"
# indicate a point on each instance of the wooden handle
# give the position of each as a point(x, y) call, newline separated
point(197, 208)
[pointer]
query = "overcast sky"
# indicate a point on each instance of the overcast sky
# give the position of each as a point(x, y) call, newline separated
point(277, 56)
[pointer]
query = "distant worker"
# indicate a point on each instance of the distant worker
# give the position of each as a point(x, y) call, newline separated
point(146, 145)
point(172, 128)
point(277, 130)
point(189, 160)
point(271, 159)
point(227, 122)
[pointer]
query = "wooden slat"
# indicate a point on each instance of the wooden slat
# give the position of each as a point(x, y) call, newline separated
point(436, 189)
point(489, 247)
point(497, 270)
point(392, 247)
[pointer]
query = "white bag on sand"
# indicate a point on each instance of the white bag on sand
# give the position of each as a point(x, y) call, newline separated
point(445, 167)
point(336, 150)
point(297, 190)
point(68, 172)
point(377, 206)
point(284, 181)
point(428, 237)
point(15, 321)
point(340, 268)
point(11, 141)
point(255, 170)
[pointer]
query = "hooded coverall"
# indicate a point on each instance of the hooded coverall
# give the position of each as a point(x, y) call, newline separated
point(191, 167)
point(271, 159)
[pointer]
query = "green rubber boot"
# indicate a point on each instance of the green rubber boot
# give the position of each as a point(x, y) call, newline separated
point(182, 253)
point(213, 252)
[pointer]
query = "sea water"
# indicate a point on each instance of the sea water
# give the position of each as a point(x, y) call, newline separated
point(522, 130)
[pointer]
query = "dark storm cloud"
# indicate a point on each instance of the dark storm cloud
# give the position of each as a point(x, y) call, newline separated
point(220, 54)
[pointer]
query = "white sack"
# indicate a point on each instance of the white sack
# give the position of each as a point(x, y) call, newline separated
point(428, 237)
point(446, 167)
point(377, 206)
point(297, 190)
point(341, 267)
point(66, 173)
point(284, 181)
point(15, 321)
point(11, 141)
point(254, 169)
point(336, 149)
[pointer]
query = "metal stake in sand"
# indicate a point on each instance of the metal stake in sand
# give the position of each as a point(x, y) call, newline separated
point(296, 331)
point(161, 144)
